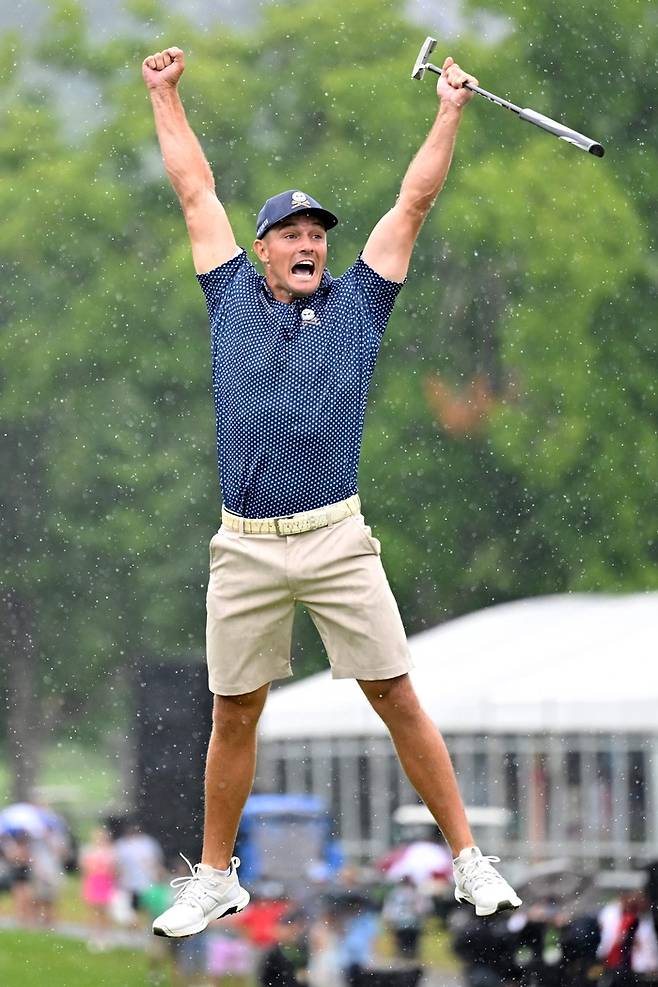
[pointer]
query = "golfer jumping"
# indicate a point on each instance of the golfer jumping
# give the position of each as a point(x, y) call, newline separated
point(292, 357)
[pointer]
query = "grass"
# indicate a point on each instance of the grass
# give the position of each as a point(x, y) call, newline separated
point(436, 949)
point(40, 959)
point(31, 959)
point(70, 906)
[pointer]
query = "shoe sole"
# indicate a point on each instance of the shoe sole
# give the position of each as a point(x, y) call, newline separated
point(506, 905)
point(239, 906)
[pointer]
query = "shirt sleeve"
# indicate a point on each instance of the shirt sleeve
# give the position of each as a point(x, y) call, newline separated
point(378, 294)
point(215, 283)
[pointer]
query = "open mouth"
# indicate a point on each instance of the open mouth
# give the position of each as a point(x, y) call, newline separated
point(304, 269)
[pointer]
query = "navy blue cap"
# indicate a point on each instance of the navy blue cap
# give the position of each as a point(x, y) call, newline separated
point(288, 203)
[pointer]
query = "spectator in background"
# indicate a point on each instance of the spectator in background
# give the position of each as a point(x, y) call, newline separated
point(99, 882)
point(404, 912)
point(47, 877)
point(259, 923)
point(628, 946)
point(285, 964)
point(486, 948)
point(651, 888)
point(18, 853)
point(139, 861)
point(360, 927)
point(325, 965)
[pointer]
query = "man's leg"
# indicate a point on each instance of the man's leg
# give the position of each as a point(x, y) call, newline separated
point(230, 768)
point(423, 755)
point(205, 894)
point(427, 764)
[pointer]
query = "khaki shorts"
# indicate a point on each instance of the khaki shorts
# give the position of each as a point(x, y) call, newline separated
point(335, 572)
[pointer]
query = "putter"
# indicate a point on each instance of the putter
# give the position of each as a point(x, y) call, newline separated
point(531, 116)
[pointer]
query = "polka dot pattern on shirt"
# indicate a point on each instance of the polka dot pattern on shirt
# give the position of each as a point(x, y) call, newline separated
point(290, 384)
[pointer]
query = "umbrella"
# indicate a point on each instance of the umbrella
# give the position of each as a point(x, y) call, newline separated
point(419, 861)
point(23, 817)
point(557, 882)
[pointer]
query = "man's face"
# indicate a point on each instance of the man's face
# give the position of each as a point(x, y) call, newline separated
point(294, 254)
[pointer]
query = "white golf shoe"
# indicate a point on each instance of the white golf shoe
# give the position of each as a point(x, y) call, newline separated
point(202, 897)
point(477, 882)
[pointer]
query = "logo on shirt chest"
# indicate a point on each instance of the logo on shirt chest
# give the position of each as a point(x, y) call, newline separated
point(309, 318)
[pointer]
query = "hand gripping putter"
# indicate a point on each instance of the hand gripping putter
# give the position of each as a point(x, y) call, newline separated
point(531, 116)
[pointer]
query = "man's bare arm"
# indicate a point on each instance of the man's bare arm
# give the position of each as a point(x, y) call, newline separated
point(211, 235)
point(389, 247)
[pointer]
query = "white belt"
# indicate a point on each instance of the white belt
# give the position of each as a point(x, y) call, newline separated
point(293, 524)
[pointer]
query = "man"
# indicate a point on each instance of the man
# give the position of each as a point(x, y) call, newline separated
point(139, 861)
point(292, 357)
point(628, 946)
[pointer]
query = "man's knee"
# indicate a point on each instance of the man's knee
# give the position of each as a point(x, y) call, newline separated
point(391, 697)
point(237, 716)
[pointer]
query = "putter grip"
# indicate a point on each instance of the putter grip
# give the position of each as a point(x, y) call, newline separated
point(564, 133)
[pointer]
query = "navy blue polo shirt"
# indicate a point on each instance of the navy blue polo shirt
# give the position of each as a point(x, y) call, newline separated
point(290, 383)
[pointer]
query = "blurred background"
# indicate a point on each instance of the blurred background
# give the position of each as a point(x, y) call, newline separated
point(510, 468)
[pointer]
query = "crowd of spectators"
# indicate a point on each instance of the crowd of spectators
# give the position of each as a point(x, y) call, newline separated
point(565, 941)
point(328, 932)
point(325, 934)
point(36, 849)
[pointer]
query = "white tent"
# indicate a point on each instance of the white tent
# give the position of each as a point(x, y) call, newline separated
point(576, 662)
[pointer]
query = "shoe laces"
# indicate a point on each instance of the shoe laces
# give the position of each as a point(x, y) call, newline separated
point(187, 886)
point(479, 871)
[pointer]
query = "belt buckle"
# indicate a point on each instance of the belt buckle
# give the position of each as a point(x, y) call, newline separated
point(277, 520)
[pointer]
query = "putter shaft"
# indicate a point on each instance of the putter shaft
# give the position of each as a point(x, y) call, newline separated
point(530, 116)
point(498, 100)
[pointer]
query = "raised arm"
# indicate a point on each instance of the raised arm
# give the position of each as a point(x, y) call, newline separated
point(210, 232)
point(389, 247)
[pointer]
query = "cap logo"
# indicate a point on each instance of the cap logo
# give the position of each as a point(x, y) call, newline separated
point(300, 199)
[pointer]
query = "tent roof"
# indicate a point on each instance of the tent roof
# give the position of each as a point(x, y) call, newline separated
point(575, 662)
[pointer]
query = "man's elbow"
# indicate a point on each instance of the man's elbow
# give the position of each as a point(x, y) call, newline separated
point(194, 196)
point(413, 209)
point(410, 214)
point(191, 188)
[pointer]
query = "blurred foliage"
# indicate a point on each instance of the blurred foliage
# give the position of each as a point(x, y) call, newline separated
point(510, 445)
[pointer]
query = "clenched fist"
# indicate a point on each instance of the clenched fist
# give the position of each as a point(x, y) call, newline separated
point(450, 87)
point(164, 68)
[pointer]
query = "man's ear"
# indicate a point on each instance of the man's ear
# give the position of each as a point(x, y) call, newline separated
point(261, 251)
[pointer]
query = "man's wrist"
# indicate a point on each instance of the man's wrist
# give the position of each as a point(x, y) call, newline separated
point(164, 90)
point(447, 109)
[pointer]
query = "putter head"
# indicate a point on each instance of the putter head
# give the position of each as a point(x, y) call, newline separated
point(429, 44)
